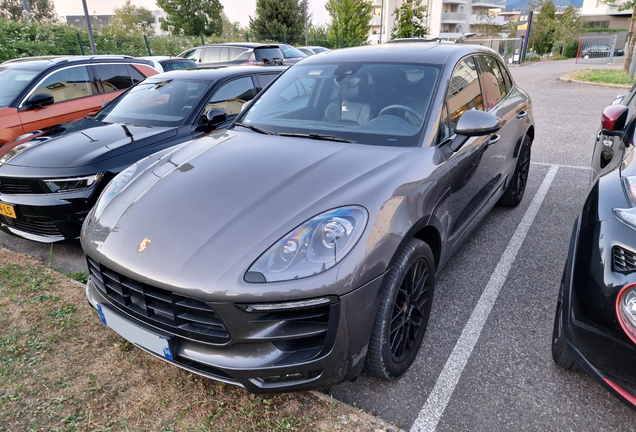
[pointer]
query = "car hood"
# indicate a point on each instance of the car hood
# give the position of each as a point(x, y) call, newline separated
point(216, 204)
point(80, 143)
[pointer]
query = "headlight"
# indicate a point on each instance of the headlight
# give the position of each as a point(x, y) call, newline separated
point(115, 187)
point(626, 310)
point(72, 184)
point(312, 248)
point(628, 216)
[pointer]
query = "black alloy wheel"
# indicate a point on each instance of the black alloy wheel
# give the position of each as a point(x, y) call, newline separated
point(560, 352)
point(515, 190)
point(403, 313)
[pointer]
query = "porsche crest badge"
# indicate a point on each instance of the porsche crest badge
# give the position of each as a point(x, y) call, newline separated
point(143, 245)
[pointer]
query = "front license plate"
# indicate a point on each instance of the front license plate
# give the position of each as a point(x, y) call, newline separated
point(135, 334)
point(7, 210)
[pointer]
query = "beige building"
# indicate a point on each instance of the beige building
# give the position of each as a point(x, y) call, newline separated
point(601, 15)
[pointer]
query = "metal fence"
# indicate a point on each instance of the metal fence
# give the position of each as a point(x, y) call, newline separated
point(508, 48)
point(597, 50)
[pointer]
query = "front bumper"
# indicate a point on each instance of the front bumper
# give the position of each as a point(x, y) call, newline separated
point(269, 351)
point(47, 218)
point(594, 336)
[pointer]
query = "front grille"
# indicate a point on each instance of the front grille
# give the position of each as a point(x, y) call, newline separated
point(15, 186)
point(37, 227)
point(624, 259)
point(185, 316)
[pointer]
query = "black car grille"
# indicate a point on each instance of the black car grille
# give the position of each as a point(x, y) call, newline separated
point(175, 313)
point(14, 186)
point(624, 259)
point(38, 227)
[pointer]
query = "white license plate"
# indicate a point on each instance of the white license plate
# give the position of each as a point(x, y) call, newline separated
point(135, 334)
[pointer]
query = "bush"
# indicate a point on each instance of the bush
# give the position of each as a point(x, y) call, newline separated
point(571, 48)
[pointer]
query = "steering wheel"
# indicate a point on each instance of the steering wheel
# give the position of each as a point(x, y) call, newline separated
point(410, 115)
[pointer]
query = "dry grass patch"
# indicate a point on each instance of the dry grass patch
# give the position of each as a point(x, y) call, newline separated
point(62, 370)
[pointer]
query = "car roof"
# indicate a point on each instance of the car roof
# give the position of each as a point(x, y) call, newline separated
point(240, 45)
point(204, 73)
point(44, 62)
point(425, 52)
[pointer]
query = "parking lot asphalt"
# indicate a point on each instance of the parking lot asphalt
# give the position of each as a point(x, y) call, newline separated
point(485, 362)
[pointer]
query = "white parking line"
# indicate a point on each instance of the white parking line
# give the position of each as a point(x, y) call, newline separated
point(561, 166)
point(432, 411)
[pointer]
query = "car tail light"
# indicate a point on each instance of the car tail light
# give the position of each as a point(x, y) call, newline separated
point(626, 310)
point(253, 62)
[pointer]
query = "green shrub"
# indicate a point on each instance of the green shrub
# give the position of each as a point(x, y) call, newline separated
point(571, 48)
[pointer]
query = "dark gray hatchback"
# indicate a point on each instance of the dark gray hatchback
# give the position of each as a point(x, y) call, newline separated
point(302, 245)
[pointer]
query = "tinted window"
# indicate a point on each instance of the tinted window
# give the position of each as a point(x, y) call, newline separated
point(504, 72)
point(13, 82)
point(235, 52)
point(464, 92)
point(170, 65)
point(211, 55)
point(232, 95)
point(135, 75)
point(291, 52)
point(114, 77)
point(155, 103)
point(268, 54)
point(67, 84)
point(492, 81)
point(264, 79)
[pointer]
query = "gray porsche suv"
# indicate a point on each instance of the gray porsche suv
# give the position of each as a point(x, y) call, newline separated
point(302, 244)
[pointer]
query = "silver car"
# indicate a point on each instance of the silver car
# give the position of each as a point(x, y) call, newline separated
point(301, 245)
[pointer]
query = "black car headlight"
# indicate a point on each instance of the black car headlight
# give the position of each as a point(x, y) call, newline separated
point(312, 248)
point(628, 215)
point(72, 184)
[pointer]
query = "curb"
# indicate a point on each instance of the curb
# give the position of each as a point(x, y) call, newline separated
point(570, 80)
point(383, 425)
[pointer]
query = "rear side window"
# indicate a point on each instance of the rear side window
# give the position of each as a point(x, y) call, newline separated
point(67, 84)
point(492, 81)
point(114, 77)
point(264, 79)
point(268, 54)
point(235, 52)
point(211, 55)
point(464, 92)
point(225, 54)
point(504, 72)
point(232, 95)
point(170, 65)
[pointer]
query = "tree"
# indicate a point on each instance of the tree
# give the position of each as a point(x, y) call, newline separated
point(350, 22)
point(233, 30)
point(543, 27)
point(130, 16)
point(39, 9)
point(568, 26)
point(279, 20)
point(193, 16)
point(485, 25)
point(631, 38)
point(409, 20)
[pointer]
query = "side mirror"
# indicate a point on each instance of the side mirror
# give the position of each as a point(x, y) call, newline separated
point(216, 117)
point(477, 123)
point(39, 100)
point(614, 119)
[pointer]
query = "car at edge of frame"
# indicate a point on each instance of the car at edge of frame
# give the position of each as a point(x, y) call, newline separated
point(302, 244)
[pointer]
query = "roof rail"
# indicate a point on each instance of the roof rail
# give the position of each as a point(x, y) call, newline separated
point(94, 57)
point(34, 58)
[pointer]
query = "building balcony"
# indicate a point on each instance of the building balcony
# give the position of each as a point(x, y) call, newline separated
point(490, 3)
point(452, 17)
point(497, 20)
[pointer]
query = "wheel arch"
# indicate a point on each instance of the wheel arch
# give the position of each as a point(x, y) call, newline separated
point(426, 232)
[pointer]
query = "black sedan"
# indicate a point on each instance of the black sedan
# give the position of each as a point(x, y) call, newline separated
point(302, 244)
point(50, 179)
point(595, 321)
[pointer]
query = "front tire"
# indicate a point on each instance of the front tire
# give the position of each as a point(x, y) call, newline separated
point(403, 313)
point(514, 192)
point(560, 352)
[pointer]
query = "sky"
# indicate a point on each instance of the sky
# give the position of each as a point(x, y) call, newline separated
point(236, 10)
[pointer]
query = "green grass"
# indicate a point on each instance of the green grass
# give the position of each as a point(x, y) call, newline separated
point(604, 76)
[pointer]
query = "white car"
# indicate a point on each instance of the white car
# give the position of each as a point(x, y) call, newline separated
point(311, 50)
point(168, 63)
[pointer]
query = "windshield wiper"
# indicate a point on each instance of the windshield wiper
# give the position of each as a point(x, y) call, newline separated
point(317, 137)
point(256, 129)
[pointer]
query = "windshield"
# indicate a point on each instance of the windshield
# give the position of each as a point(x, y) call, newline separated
point(155, 103)
point(13, 82)
point(291, 52)
point(380, 104)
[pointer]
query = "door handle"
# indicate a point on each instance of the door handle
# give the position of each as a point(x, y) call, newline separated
point(522, 114)
point(494, 139)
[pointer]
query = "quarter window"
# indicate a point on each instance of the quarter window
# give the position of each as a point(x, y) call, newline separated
point(235, 52)
point(67, 84)
point(232, 95)
point(211, 55)
point(114, 77)
point(492, 81)
point(464, 92)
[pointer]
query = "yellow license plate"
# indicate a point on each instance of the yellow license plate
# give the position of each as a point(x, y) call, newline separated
point(7, 210)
